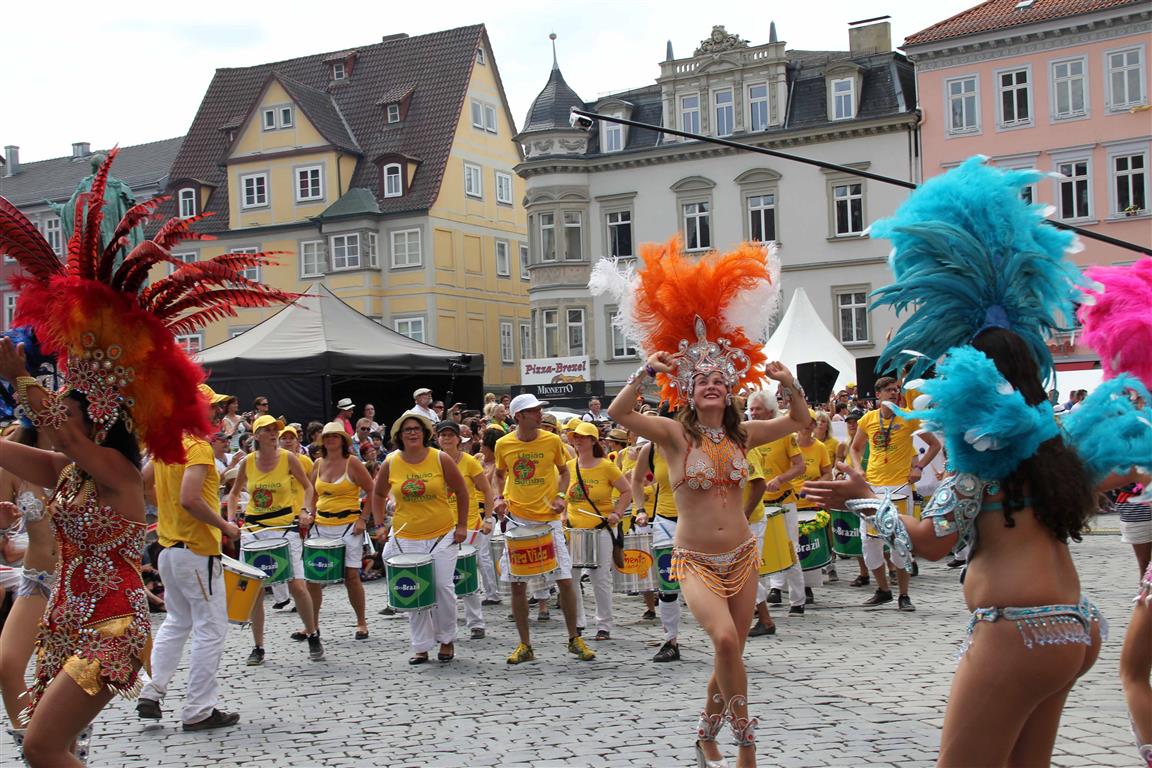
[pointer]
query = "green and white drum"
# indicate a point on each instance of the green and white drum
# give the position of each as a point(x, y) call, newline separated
point(411, 582)
point(324, 560)
point(662, 570)
point(812, 546)
point(846, 533)
point(467, 576)
point(270, 556)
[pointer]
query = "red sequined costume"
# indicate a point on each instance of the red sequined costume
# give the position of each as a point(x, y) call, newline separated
point(96, 626)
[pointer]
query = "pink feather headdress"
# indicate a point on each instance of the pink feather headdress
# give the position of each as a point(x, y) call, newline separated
point(1119, 324)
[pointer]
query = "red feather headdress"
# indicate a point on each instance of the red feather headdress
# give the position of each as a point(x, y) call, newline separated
point(114, 332)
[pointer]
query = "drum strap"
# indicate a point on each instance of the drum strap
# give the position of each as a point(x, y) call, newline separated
point(271, 515)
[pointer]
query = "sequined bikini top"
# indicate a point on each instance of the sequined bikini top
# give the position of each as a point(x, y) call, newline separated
point(723, 464)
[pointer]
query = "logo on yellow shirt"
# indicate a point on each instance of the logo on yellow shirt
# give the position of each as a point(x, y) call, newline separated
point(524, 469)
point(576, 493)
point(262, 498)
point(413, 488)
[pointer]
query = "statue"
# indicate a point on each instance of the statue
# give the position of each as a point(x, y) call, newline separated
point(720, 40)
point(118, 198)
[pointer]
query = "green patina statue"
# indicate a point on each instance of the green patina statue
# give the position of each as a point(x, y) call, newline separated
point(118, 198)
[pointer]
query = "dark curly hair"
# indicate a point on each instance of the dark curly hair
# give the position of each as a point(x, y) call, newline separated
point(1058, 483)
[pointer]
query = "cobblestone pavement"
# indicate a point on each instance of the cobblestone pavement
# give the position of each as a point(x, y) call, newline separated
point(827, 690)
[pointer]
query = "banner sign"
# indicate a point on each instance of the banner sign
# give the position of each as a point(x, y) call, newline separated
point(554, 370)
point(577, 389)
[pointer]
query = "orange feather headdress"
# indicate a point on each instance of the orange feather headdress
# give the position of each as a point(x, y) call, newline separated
point(113, 332)
point(711, 313)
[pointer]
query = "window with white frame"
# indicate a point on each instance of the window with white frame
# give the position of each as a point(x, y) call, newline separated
point(187, 202)
point(477, 114)
point(507, 345)
point(1130, 182)
point(963, 108)
point(843, 98)
point(268, 119)
point(574, 321)
point(550, 321)
point(725, 111)
point(697, 226)
point(503, 259)
point(1126, 79)
point(525, 340)
point(1069, 89)
point(412, 327)
point(54, 234)
point(252, 273)
point(338, 71)
point(621, 346)
point(309, 183)
point(619, 234)
point(473, 180)
point(1075, 202)
point(274, 118)
point(848, 208)
point(690, 113)
point(345, 251)
point(287, 118)
point(524, 273)
point(393, 113)
point(234, 332)
point(191, 343)
point(480, 58)
point(10, 310)
point(762, 218)
point(1015, 98)
point(547, 237)
point(503, 188)
point(852, 311)
point(373, 250)
point(393, 182)
point(612, 137)
point(758, 107)
point(186, 257)
point(311, 258)
point(254, 188)
point(573, 231)
point(490, 118)
point(406, 250)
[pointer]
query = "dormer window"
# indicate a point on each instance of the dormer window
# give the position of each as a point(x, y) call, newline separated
point(843, 98)
point(393, 113)
point(613, 134)
point(338, 70)
point(274, 118)
point(480, 59)
point(393, 181)
point(187, 200)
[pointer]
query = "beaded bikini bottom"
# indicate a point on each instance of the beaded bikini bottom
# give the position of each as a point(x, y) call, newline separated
point(1044, 624)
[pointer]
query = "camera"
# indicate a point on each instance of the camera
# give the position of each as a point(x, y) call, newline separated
point(580, 122)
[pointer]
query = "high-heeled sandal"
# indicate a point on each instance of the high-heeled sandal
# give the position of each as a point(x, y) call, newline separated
point(706, 729)
point(743, 728)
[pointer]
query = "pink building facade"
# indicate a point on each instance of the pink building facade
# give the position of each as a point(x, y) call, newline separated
point(1058, 85)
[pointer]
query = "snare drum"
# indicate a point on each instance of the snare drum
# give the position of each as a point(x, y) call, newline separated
point(777, 554)
point(846, 533)
point(662, 571)
point(243, 586)
point(324, 560)
point(467, 575)
point(271, 556)
point(411, 582)
point(531, 552)
point(582, 547)
point(812, 547)
point(636, 575)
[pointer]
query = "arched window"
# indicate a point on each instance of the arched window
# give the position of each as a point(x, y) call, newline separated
point(393, 183)
point(187, 198)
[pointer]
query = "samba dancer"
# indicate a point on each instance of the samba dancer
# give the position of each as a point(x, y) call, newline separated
point(190, 527)
point(339, 478)
point(676, 303)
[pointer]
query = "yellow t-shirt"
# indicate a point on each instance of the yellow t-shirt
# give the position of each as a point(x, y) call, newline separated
point(755, 472)
point(470, 467)
point(270, 492)
point(833, 445)
point(891, 451)
point(530, 474)
point(775, 459)
point(174, 524)
point(598, 481)
point(338, 502)
point(815, 463)
point(422, 508)
point(626, 460)
point(306, 464)
point(661, 488)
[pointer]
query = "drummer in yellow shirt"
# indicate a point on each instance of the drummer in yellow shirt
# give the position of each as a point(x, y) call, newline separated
point(650, 478)
point(289, 440)
point(592, 479)
point(817, 466)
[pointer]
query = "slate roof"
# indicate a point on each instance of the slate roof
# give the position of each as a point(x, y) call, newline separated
point(322, 111)
point(551, 107)
point(437, 67)
point(996, 15)
point(139, 166)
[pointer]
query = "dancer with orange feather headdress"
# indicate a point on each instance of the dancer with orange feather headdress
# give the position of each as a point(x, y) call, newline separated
point(127, 382)
point(702, 323)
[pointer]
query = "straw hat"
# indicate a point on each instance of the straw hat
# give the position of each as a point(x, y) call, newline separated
point(424, 420)
point(267, 421)
point(618, 435)
point(336, 428)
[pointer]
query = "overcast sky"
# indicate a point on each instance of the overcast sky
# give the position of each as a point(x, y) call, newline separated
point(130, 73)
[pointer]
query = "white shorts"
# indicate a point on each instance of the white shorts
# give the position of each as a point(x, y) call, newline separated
point(1136, 533)
point(663, 531)
point(295, 547)
point(353, 542)
point(563, 559)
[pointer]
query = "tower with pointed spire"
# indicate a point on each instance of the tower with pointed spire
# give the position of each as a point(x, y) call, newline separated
point(547, 130)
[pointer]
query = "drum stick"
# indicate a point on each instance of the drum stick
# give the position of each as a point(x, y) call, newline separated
point(255, 527)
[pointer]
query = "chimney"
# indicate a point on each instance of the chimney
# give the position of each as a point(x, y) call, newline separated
point(81, 149)
point(870, 36)
point(12, 155)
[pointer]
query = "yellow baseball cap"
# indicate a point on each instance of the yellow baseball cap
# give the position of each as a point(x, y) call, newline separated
point(212, 396)
point(267, 421)
point(572, 423)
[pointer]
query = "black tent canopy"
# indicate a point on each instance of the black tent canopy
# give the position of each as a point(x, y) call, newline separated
point(319, 349)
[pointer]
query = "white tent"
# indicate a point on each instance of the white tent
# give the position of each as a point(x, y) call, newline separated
point(802, 337)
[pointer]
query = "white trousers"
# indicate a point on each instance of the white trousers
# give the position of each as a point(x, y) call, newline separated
point(489, 586)
point(663, 535)
point(874, 547)
point(196, 605)
point(601, 579)
point(437, 625)
point(793, 577)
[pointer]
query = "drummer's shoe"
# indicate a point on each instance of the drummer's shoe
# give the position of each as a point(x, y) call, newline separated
point(774, 597)
point(649, 615)
point(956, 562)
point(759, 630)
point(256, 658)
point(602, 634)
point(578, 648)
point(543, 615)
point(915, 567)
point(879, 598)
point(860, 581)
point(832, 575)
point(490, 601)
point(315, 647)
point(149, 709)
point(796, 610)
point(477, 633)
point(809, 598)
point(217, 719)
point(670, 651)
point(388, 611)
point(281, 605)
point(905, 604)
point(521, 654)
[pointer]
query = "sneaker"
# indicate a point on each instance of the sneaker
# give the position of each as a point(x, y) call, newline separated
point(281, 605)
point(649, 615)
point(796, 610)
point(477, 633)
point(879, 598)
point(602, 634)
point(833, 577)
point(544, 616)
point(490, 601)
point(773, 597)
point(860, 581)
point(956, 562)
point(668, 652)
point(217, 719)
point(533, 601)
point(315, 648)
point(809, 598)
point(580, 649)
point(905, 604)
point(256, 658)
point(388, 611)
point(759, 630)
point(149, 709)
point(521, 654)
point(299, 636)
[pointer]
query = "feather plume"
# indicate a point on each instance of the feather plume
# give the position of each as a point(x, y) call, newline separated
point(1118, 325)
point(968, 254)
point(1109, 432)
point(618, 282)
point(135, 216)
point(20, 240)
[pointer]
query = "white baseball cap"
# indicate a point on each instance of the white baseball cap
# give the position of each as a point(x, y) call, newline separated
point(421, 391)
point(524, 402)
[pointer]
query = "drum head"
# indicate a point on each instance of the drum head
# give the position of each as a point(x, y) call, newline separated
point(528, 532)
point(323, 543)
point(409, 560)
point(466, 550)
point(262, 544)
point(241, 568)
